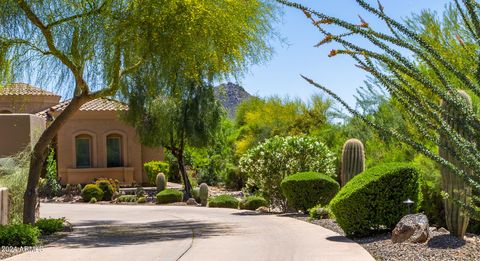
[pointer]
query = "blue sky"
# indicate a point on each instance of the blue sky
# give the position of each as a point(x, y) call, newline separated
point(280, 75)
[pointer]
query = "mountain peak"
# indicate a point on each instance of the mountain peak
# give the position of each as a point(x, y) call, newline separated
point(231, 95)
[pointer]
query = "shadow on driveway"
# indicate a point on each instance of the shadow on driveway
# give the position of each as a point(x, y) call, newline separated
point(113, 234)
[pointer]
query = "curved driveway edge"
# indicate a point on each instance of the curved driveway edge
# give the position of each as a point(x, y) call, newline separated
point(122, 232)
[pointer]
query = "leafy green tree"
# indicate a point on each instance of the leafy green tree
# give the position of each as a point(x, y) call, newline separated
point(419, 81)
point(216, 162)
point(85, 47)
point(178, 108)
point(93, 48)
point(183, 117)
point(259, 119)
point(50, 187)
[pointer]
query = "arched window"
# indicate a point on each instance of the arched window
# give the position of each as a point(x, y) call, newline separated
point(114, 151)
point(83, 151)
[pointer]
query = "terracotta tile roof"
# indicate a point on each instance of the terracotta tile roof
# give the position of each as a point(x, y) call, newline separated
point(16, 89)
point(100, 104)
point(104, 104)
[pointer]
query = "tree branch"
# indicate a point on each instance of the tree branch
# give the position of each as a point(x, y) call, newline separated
point(19, 41)
point(114, 85)
point(73, 17)
point(51, 45)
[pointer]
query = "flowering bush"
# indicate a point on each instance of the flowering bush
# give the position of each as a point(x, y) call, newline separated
point(270, 162)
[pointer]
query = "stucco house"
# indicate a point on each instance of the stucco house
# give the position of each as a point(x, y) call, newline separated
point(93, 143)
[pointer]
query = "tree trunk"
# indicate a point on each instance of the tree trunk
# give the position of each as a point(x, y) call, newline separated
point(186, 180)
point(40, 153)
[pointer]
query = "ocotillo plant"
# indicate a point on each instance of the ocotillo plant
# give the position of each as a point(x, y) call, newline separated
point(431, 71)
point(455, 187)
point(353, 160)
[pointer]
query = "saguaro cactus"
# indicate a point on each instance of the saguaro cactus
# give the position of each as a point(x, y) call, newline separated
point(4, 206)
point(161, 182)
point(203, 194)
point(457, 218)
point(353, 160)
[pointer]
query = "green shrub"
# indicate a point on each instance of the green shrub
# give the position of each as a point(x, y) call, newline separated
point(48, 226)
point(270, 162)
point(50, 186)
point(169, 196)
point(14, 176)
point(127, 198)
point(207, 176)
point(92, 191)
point(193, 180)
point(320, 212)
point(107, 187)
point(141, 200)
point(474, 227)
point(234, 178)
point(373, 199)
point(152, 168)
point(173, 170)
point(223, 201)
point(253, 202)
point(18, 235)
point(306, 189)
point(140, 192)
point(73, 190)
point(196, 194)
point(92, 201)
point(432, 204)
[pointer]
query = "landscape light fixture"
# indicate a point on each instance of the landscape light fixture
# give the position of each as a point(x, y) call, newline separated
point(409, 202)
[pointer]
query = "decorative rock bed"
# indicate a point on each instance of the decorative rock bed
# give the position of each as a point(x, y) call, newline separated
point(440, 246)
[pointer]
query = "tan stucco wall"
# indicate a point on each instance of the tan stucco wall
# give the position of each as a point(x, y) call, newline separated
point(17, 131)
point(98, 125)
point(27, 104)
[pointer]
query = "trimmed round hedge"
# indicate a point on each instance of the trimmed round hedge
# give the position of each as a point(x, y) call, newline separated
point(92, 191)
point(169, 196)
point(373, 199)
point(305, 190)
point(106, 187)
point(253, 202)
point(223, 201)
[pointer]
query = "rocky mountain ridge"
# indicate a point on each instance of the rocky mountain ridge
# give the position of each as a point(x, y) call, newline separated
point(230, 96)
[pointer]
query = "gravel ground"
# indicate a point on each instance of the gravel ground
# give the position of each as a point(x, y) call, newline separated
point(440, 246)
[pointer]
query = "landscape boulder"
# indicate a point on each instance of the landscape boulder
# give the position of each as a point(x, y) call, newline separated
point(413, 228)
point(192, 202)
point(262, 210)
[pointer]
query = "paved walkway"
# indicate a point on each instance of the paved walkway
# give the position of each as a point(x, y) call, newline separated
point(120, 232)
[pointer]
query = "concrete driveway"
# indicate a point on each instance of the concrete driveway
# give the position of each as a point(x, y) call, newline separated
point(120, 232)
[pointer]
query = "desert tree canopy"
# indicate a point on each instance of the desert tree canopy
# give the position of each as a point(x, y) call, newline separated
point(93, 48)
